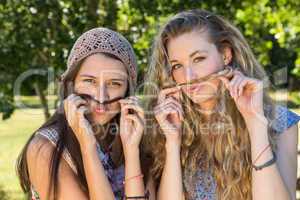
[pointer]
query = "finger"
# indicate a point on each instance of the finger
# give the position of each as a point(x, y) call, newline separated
point(67, 100)
point(138, 122)
point(225, 81)
point(136, 108)
point(241, 86)
point(232, 83)
point(169, 109)
point(163, 93)
point(170, 99)
point(82, 110)
point(79, 102)
point(173, 103)
point(86, 125)
point(73, 105)
point(235, 87)
point(71, 96)
point(77, 98)
point(70, 106)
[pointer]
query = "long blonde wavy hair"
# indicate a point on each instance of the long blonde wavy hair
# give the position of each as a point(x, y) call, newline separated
point(227, 155)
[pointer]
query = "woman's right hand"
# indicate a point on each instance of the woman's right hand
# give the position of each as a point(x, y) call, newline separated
point(169, 114)
point(75, 107)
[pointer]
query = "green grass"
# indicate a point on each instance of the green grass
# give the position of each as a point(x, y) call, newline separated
point(14, 132)
point(34, 101)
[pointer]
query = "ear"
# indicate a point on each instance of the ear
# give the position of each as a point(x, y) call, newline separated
point(227, 55)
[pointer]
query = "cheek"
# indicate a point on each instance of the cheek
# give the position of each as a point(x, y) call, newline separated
point(178, 75)
point(114, 107)
point(84, 88)
point(117, 91)
point(209, 66)
point(213, 86)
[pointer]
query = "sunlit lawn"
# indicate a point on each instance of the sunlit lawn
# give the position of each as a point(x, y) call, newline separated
point(13, 134)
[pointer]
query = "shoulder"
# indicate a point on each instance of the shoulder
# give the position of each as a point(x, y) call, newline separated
point(39, 162)
point(43, 145)
point(284, 119)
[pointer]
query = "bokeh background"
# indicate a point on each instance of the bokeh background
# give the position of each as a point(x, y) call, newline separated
point(36, 36)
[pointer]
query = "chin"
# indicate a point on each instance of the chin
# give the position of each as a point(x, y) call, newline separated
point(201, 98)
point(101, 120)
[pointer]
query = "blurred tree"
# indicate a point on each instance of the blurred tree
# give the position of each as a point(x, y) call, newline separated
point(38, 34)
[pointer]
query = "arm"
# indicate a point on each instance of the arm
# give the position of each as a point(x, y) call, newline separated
point(98, 185)
point(132, 168)
point(266, 183)
point(171, 179)
point(38, 159)
point(131, 130)
point(169, 115)
point(133, 187)
point(247, 93)
point(287, 158)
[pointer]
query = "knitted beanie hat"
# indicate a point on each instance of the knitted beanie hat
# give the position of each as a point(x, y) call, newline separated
point(103, 40)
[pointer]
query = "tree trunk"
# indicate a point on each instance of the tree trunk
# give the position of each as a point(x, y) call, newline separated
point(43, 100)
point(92, 15)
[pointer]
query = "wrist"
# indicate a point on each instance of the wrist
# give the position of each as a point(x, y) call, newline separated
point(131, 152)
point(87, 148)
point(172, 146)
point(256, 123)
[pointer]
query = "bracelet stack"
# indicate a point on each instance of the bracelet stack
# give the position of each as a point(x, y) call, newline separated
point(266, 164)
point(146, 196)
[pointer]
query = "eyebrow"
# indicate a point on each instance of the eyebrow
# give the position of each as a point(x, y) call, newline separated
point(192, 54)
point(113, 79)
point(86, 75)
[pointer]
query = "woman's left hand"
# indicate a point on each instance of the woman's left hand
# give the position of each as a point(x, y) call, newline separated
point(132, 123)
point(247, 93)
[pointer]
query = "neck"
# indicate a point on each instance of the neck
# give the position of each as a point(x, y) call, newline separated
point(207, 107)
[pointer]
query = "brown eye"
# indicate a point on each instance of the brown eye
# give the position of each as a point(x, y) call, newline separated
point(198, 59)
point(114, 84)
point(176, 66)
point(89, 81)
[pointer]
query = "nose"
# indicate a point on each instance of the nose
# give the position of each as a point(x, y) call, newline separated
point(102, 94)
point(190, 74)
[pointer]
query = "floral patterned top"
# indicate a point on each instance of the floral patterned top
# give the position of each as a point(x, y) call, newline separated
point(114, 175)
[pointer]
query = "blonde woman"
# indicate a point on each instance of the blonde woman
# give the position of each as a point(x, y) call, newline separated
point(215, 133)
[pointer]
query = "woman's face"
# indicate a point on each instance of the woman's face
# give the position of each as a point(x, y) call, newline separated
point(103, 78)
point(193, 56)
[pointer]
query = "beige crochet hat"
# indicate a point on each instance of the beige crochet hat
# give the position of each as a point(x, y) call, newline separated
point(103, 40)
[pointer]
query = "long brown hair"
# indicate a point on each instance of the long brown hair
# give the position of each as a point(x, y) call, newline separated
point(66, 140)
point(226, 155)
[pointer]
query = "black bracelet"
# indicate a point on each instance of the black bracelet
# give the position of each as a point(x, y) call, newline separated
point(139, 197)
point(267, 164)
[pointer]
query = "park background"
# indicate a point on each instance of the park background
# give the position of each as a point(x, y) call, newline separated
point(37, 35)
